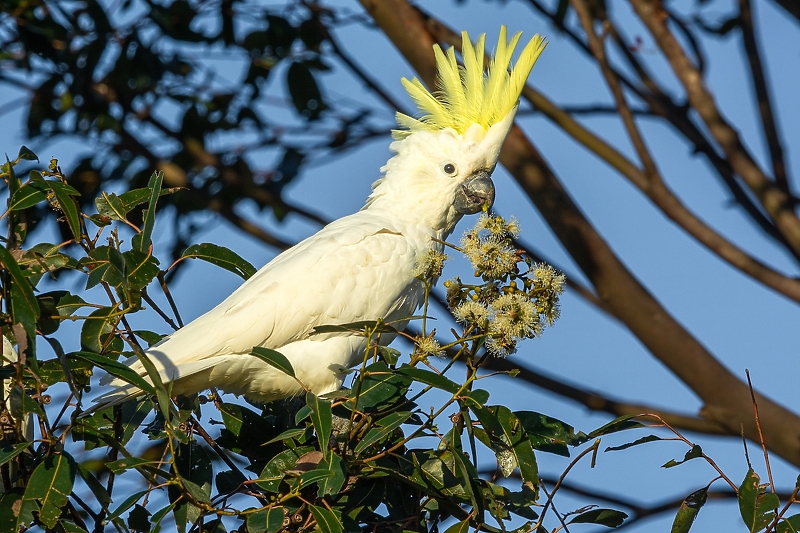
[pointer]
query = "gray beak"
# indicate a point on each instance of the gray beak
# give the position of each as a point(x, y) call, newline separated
point(474, 193)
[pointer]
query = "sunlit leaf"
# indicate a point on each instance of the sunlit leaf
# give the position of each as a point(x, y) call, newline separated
point(51, 484)
point(756, 505)
point(327, 521)
point(274, 359)
point(321, 417)
point(688, 510)
point(220, 256)
point(266, 521)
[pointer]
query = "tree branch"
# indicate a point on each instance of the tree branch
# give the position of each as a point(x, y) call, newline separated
point(727, 398)
point(776, 202)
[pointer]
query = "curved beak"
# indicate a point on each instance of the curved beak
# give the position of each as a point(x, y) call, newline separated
point(476, 192)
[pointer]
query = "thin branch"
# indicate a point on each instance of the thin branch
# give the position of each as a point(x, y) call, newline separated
point(776, 202)
point(770, 129)
point(677, 115)
point(760, 435)
point(650, 182)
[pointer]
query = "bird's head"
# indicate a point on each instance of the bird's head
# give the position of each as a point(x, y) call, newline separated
point(445, 158)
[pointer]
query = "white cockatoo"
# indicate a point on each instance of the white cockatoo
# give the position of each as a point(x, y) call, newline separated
point(360, 267)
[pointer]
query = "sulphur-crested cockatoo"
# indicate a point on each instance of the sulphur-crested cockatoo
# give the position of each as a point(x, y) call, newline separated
point(360, 267)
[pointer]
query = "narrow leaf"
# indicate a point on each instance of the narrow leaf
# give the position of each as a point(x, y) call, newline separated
point(604, 517)
point(274, 359)
point(649, 438)
point(144, 238)
point(688, 511)
point(430, 378)
point(222, 257)
point(327, 522)
point(322, 419)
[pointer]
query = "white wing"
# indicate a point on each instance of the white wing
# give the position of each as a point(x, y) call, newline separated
point(357, 268)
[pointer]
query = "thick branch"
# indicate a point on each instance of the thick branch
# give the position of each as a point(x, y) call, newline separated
point(776, 202)
point(727, 398)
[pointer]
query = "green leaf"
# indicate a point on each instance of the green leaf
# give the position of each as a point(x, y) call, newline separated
point(139, 519)
point(549, 434)
point(322, 419)
point(136, 197)
point(98, 329)
point(694, 453)
point(21, 404)
point(142, 241)
point(604, 517)
point(327, 522)
point(24, 306)
point(266, 521)
point(9, 452)
point(688, 511)
point(288, 434)
point(111, 206)
point(27, 154)
point(121, 465)
point(115, 368)
point(64, 196)
point(314, 476)
point(380, 388)
point(127, 504)
point(273, 473)
point(384, 427)
point(618, 424)
point(30, 194)
point(789, 525)
point(459, 527)
point(141, 268)
point(755, 504)
point(430, 378)
point(220, 256)
point(51, 484)
point(361, 326)
point(274, 359)
point(334, 483)
point(520, 446)
point(643, 440)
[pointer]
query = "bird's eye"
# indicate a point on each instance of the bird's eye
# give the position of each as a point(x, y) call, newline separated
point(449, 169)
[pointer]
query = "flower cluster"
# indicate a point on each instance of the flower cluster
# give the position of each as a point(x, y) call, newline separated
point(517, 298)
point(431, 266)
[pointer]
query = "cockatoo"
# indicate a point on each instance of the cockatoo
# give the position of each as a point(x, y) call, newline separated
point(360, 267)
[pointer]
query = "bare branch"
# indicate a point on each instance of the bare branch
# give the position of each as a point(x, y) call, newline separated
point(776, 202)
point(762, 94)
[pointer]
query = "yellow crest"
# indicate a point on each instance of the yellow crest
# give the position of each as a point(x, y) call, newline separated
point(467, 95)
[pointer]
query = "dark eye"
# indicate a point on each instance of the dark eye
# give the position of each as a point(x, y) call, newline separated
point(449, 169)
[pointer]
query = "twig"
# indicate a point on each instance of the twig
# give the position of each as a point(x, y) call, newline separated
point(591, 449)
point(774, 199)
point(758, 427)
point(161, 313)
point(165, 289)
